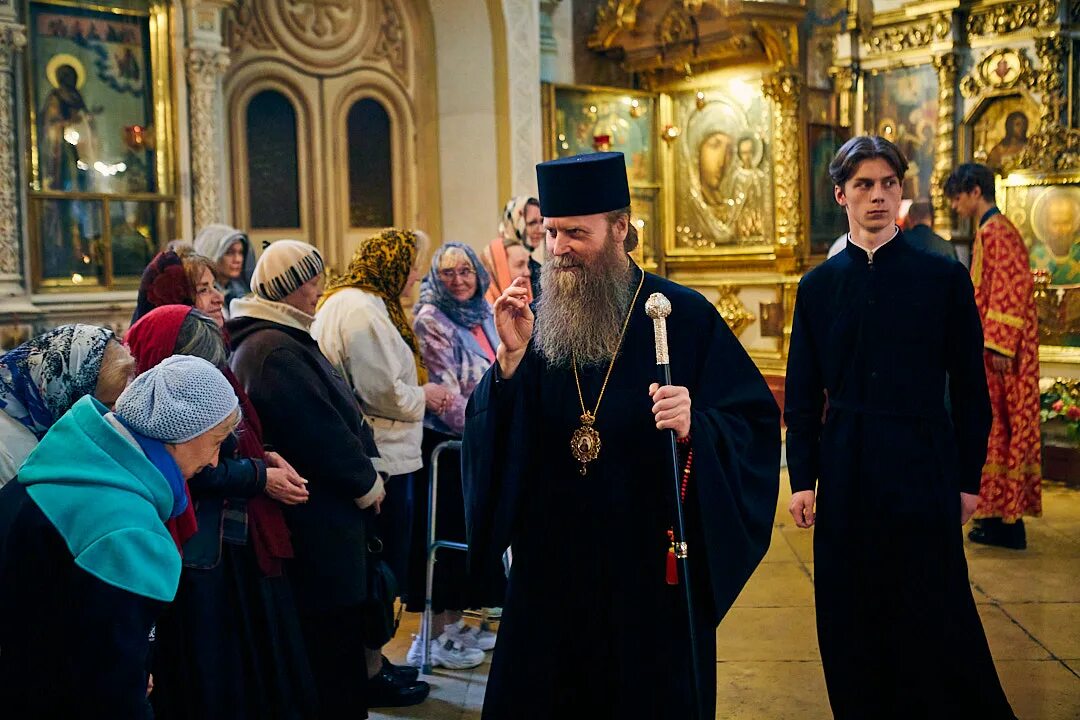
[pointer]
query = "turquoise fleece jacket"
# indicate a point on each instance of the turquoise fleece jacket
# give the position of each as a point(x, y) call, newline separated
point(107, 501)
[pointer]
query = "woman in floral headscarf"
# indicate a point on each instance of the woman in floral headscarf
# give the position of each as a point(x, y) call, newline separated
point(42, 378)
point(362, 329)
point(521, 223)
point(457, 340)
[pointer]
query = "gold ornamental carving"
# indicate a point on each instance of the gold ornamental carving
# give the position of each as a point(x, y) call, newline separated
point(1001, 69)
point(909, 35)
point(205, 67)
point(675, 28)
point(612, 17)
point(731, 308)
point(245, 28)
point(390, 42)
point(1050, 80)
point(783, 89)
point(845, 83)
point(12, 41)
point(944, 147)
point(1010, 17)
point(1053, 148)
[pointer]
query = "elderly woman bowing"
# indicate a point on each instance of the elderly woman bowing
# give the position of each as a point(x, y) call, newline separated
point(230, 645)
point(42, 378)
point(88, 562)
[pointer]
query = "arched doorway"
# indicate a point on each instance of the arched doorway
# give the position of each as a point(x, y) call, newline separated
point(353, 83)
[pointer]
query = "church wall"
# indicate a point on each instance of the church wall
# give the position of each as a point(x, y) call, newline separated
point(469, 154)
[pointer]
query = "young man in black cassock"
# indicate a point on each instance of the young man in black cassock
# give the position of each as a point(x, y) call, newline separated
point(590, 532)
point(876, 330)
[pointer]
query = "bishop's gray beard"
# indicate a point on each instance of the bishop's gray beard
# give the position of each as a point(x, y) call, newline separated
point(581, 312)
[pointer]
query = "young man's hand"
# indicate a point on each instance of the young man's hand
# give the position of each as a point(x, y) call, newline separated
point(802, 508)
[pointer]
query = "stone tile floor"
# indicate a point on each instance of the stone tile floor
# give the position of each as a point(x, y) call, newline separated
point(768, 666)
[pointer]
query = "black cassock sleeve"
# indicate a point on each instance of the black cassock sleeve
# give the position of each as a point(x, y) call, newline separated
point(496, 429)
point(735, 431)
point(804, 399)
point(971, 413)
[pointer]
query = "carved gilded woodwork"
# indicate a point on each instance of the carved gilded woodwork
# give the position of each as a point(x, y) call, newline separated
point(735, 314)
point(1050, 80)
point(12, 41)
point(784, 88)
point(1053, 148)
point(1001, 69)
point(1010, 17)
point(667, 40)
point(612, 17)
point(911, 35)
point(944, 146)
point(676, 28)
point(845, 82)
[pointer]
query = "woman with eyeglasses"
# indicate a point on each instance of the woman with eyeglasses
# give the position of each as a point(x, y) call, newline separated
point(456, 330)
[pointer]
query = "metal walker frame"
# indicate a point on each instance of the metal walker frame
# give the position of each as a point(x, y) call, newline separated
point(434, 545)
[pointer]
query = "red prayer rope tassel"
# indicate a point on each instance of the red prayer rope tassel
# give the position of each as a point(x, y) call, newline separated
point(671, 573)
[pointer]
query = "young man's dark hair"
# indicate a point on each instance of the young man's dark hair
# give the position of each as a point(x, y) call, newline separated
point(865, 147)
point(967, 177)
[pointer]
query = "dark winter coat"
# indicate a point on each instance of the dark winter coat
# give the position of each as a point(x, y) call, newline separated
point(310, 416)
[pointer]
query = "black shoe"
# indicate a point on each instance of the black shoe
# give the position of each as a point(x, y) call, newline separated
point(999, 534)
point(384, 690)
point(404, 673)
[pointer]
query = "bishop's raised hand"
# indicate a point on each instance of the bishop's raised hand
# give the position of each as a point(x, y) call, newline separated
point(514, 324)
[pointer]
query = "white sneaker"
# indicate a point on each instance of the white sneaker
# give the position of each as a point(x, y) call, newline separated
point(447, 652)
point(472, 637)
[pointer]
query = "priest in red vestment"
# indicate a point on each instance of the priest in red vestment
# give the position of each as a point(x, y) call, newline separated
point(1012, 477)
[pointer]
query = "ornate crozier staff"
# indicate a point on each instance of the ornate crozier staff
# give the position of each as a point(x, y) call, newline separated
point(658, 307)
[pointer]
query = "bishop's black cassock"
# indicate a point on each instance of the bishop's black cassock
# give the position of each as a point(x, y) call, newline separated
point(591, 628)
point(875, 335)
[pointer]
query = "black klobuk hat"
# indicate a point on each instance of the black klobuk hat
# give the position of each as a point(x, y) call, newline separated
point(583, 184)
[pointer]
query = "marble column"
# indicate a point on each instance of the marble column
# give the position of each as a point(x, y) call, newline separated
point(12, 40)
point(205, 68)
point(523, 72)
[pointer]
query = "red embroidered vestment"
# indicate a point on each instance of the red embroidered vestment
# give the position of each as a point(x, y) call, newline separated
point(1012, 476)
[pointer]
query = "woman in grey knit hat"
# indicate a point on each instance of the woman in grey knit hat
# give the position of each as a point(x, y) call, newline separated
point(88, 560)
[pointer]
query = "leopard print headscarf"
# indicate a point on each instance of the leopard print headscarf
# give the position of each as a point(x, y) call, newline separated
point(381, 265)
